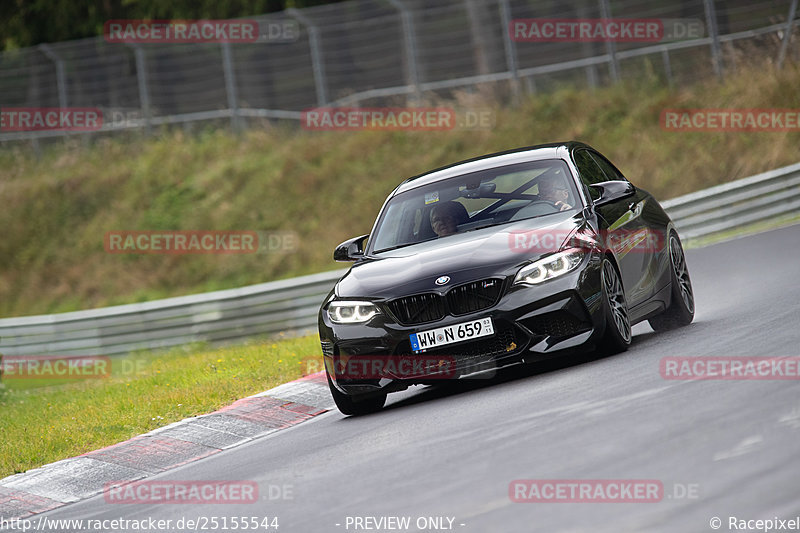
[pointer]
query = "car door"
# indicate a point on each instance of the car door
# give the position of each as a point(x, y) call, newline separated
point(621, 222)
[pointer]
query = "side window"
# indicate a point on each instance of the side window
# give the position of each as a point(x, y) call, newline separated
point(590, 172)
point(609, 169)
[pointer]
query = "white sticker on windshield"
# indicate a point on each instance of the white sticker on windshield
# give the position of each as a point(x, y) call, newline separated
point(431, 197)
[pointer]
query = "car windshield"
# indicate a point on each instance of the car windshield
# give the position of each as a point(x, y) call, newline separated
point(474, 201)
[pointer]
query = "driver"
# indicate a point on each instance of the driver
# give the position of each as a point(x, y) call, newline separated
point(446, 216)
point(553, 190)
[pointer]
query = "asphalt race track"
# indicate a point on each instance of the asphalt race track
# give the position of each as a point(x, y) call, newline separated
point(720, 448)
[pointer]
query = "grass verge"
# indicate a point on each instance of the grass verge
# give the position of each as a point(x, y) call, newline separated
point(44, 421)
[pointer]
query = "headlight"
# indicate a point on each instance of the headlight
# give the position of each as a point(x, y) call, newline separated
point(550, 267)
point(344, 312)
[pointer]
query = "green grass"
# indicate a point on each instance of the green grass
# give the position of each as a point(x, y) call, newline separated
point(325, 186)
point(43, 421)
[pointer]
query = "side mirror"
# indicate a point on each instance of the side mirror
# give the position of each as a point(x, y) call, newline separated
point(351, 250)
point(611, 191)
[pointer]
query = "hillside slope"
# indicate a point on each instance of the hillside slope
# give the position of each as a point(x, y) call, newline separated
point(326, 186)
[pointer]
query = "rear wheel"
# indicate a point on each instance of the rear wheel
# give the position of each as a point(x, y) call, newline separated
point(350, 406)
point(617, 336)
point(681, 310)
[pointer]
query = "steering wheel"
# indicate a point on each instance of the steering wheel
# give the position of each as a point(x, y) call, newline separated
point(534, 209)
point(548, 203)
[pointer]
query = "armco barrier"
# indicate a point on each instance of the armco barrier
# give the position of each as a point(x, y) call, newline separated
point(267, 308)
point(291, 305)
point(738, 203)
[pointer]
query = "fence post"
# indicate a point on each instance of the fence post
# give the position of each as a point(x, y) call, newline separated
point(510, 46)
point(316, 55)
point(611, 46)
point(230, 87)
point(588, 49)
point(61, 78)
point(144, 95)
point(480, 47)
point(410, 41)
point(716, 53)
point(787, 36)
point(667, 66)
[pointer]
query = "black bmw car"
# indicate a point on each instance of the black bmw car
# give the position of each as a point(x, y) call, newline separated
point(512, 257)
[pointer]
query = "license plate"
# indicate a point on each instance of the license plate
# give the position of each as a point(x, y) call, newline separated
point(433, 338)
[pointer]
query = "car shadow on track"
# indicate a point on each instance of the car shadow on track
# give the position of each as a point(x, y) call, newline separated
point(520, 371)
point(507, 374)
point(641, 343)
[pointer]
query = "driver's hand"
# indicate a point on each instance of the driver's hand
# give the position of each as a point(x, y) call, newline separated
point(562, 206)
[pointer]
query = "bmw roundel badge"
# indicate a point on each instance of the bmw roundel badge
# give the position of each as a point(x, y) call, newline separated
point(443, 280)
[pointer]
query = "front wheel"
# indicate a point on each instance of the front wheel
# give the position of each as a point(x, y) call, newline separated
point(617, 336)
point(349, 406)
point(681, 309)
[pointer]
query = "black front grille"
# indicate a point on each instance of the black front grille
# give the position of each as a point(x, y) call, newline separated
point(327, 348)
point(418, 309)
point(474, 296)
point(460, 300)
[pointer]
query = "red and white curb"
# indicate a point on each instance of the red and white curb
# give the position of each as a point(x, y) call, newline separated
point(78, 478)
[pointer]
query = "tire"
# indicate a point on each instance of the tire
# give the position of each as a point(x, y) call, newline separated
point(681, 309)
point(617, 335)
point(349, 406)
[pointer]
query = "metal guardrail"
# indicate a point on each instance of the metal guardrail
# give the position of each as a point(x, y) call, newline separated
point(738, 203)
point(291, 305)
point(263, 309)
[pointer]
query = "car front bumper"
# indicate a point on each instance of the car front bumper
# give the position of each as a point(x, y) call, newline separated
point(530, 322)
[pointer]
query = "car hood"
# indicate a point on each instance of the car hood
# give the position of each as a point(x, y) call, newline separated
point(488, 252)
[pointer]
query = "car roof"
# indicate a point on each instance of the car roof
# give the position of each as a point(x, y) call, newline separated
point(486, 162)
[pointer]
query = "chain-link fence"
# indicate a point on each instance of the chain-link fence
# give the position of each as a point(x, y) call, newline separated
point(381, 52)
